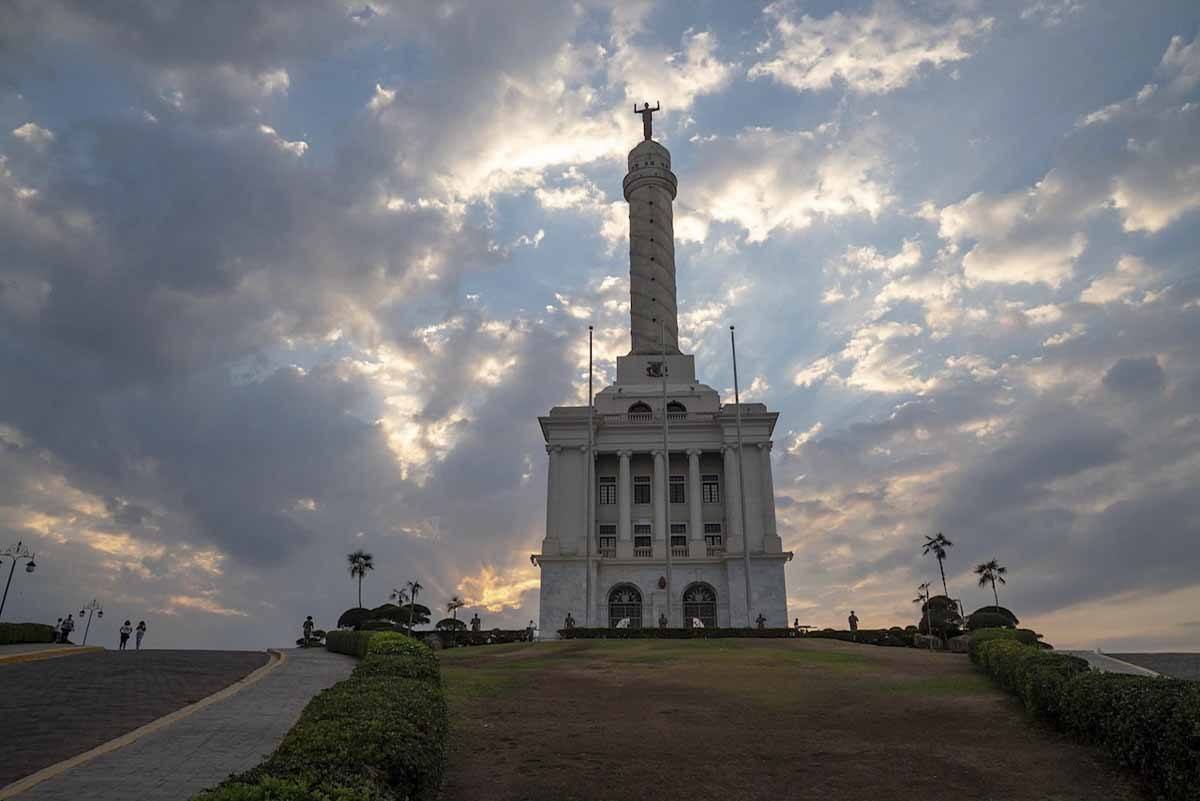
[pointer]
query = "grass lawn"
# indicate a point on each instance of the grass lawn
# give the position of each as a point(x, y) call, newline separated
point(749, 719)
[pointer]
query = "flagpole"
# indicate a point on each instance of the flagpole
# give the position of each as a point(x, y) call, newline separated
point(741, 477)
point(587, 512)
point(666, 501)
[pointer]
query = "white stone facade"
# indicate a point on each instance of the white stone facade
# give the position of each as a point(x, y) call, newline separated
point(657, 536)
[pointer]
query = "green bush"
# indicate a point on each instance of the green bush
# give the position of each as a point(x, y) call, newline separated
point(270, 789)
point(353, 643)
point(352, 617)
point(13, 633)
point(1149, 724)
point(380, 735)
point(978, 638)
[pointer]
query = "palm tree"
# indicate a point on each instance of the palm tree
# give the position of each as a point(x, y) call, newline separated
point(454, 604)
point(991, 571)
point(937, 546)
point(414, 589)
point(360, 563)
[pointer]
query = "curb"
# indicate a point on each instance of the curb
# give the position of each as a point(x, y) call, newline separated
point(49, 653)
point(276, 659)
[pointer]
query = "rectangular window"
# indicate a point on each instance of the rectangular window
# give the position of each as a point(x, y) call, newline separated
point(712, 528)
point(712, 540)
point(608, 543)
point(608, 530)
point(641, 542)
point(677, 492)
point(678, 542)
point(608, 490)
point(642, 528)
point(679, 528)
point(711, 486)
point(712, 537)
point(641, 489)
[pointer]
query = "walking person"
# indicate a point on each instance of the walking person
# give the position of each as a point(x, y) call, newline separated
point(68, 626)
point(853, 626)
point(126, 630)
point(138, 633)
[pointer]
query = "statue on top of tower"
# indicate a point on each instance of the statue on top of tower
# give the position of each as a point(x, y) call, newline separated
point(647, 116)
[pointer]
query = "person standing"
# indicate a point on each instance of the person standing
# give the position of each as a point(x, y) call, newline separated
point(529, 630)
point(475, 622)
point(126, 630)
point(308, 629)
point(138, 633)
point(853, 626)
point(58, 630)
point(68, 626)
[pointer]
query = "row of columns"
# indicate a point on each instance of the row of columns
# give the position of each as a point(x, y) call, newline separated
point(661, 494)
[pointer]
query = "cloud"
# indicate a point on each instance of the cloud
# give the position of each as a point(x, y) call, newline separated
point(766, 181)
point(878, 51)
point(1130, 273)
point(34, 135)
point(1135, 376)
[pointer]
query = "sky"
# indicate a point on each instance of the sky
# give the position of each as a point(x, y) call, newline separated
point(282, 280)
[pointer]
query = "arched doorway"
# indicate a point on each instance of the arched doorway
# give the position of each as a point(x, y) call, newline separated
point(625, 601)
point(700, 601)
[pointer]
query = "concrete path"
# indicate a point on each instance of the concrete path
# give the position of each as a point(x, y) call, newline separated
point(1107, 664)
point(201, 750)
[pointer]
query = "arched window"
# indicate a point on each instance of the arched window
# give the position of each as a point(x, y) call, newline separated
point(640, 411)
point(675, 408)
point(625, 601)
point(700, 601)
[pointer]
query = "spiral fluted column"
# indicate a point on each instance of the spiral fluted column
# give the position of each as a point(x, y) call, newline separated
point(650, 188)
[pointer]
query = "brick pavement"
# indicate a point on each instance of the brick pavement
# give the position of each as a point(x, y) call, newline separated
point(57, 708)
point(201, 750)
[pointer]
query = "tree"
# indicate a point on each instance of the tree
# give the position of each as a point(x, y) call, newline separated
point(453, 605)
point(937, 546)
point(399, 595)
point(991, 571)
point(360, 563)
point(414, 589)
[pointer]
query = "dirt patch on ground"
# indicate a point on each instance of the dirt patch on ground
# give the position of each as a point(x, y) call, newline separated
point(749, 719)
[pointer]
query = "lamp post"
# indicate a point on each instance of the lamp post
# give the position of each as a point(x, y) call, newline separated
point(93, 606)
point(16, 553)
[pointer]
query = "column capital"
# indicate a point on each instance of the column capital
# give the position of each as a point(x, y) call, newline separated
point(553, 448)
point(625, 453)
point(694, 451)
point(657, 453)
point(728, 448)
point(765, 446)
point(583, 448)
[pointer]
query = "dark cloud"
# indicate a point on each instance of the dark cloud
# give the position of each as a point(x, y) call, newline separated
point(1134, 377)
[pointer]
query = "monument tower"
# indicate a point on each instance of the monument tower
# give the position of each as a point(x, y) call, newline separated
point(654, 531)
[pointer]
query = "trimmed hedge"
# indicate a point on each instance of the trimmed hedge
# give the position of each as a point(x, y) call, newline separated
point(647, 633)
point(1149, 724)
point(380, 735)
point(14, 633)
point(353, 643)
point(978, 638)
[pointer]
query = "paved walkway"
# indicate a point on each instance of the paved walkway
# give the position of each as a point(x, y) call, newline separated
point(28, 647)
point(201, 750)
point(1107, 664)
point(1179, 666)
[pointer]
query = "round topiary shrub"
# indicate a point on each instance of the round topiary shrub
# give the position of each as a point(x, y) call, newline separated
point(351, 618)
point(991, 617)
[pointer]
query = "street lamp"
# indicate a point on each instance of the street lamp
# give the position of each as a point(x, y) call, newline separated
point(16, 553)
point(92, 606)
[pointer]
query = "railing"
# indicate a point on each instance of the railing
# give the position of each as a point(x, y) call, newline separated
point(716, 550)
point(646, 418)
point(679, 550)
point(643, 553)
point(608, 553)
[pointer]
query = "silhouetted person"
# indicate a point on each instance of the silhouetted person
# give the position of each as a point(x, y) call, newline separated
point(138, 633)
point(853, 626)
point(58, 631)
point(662, 620)
point(475, 623)
point(796, 626)
point(569, 623)
point(761, 621)
point(126, 630)
point(308, 629)
point(68, 626)
point(529, 630)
